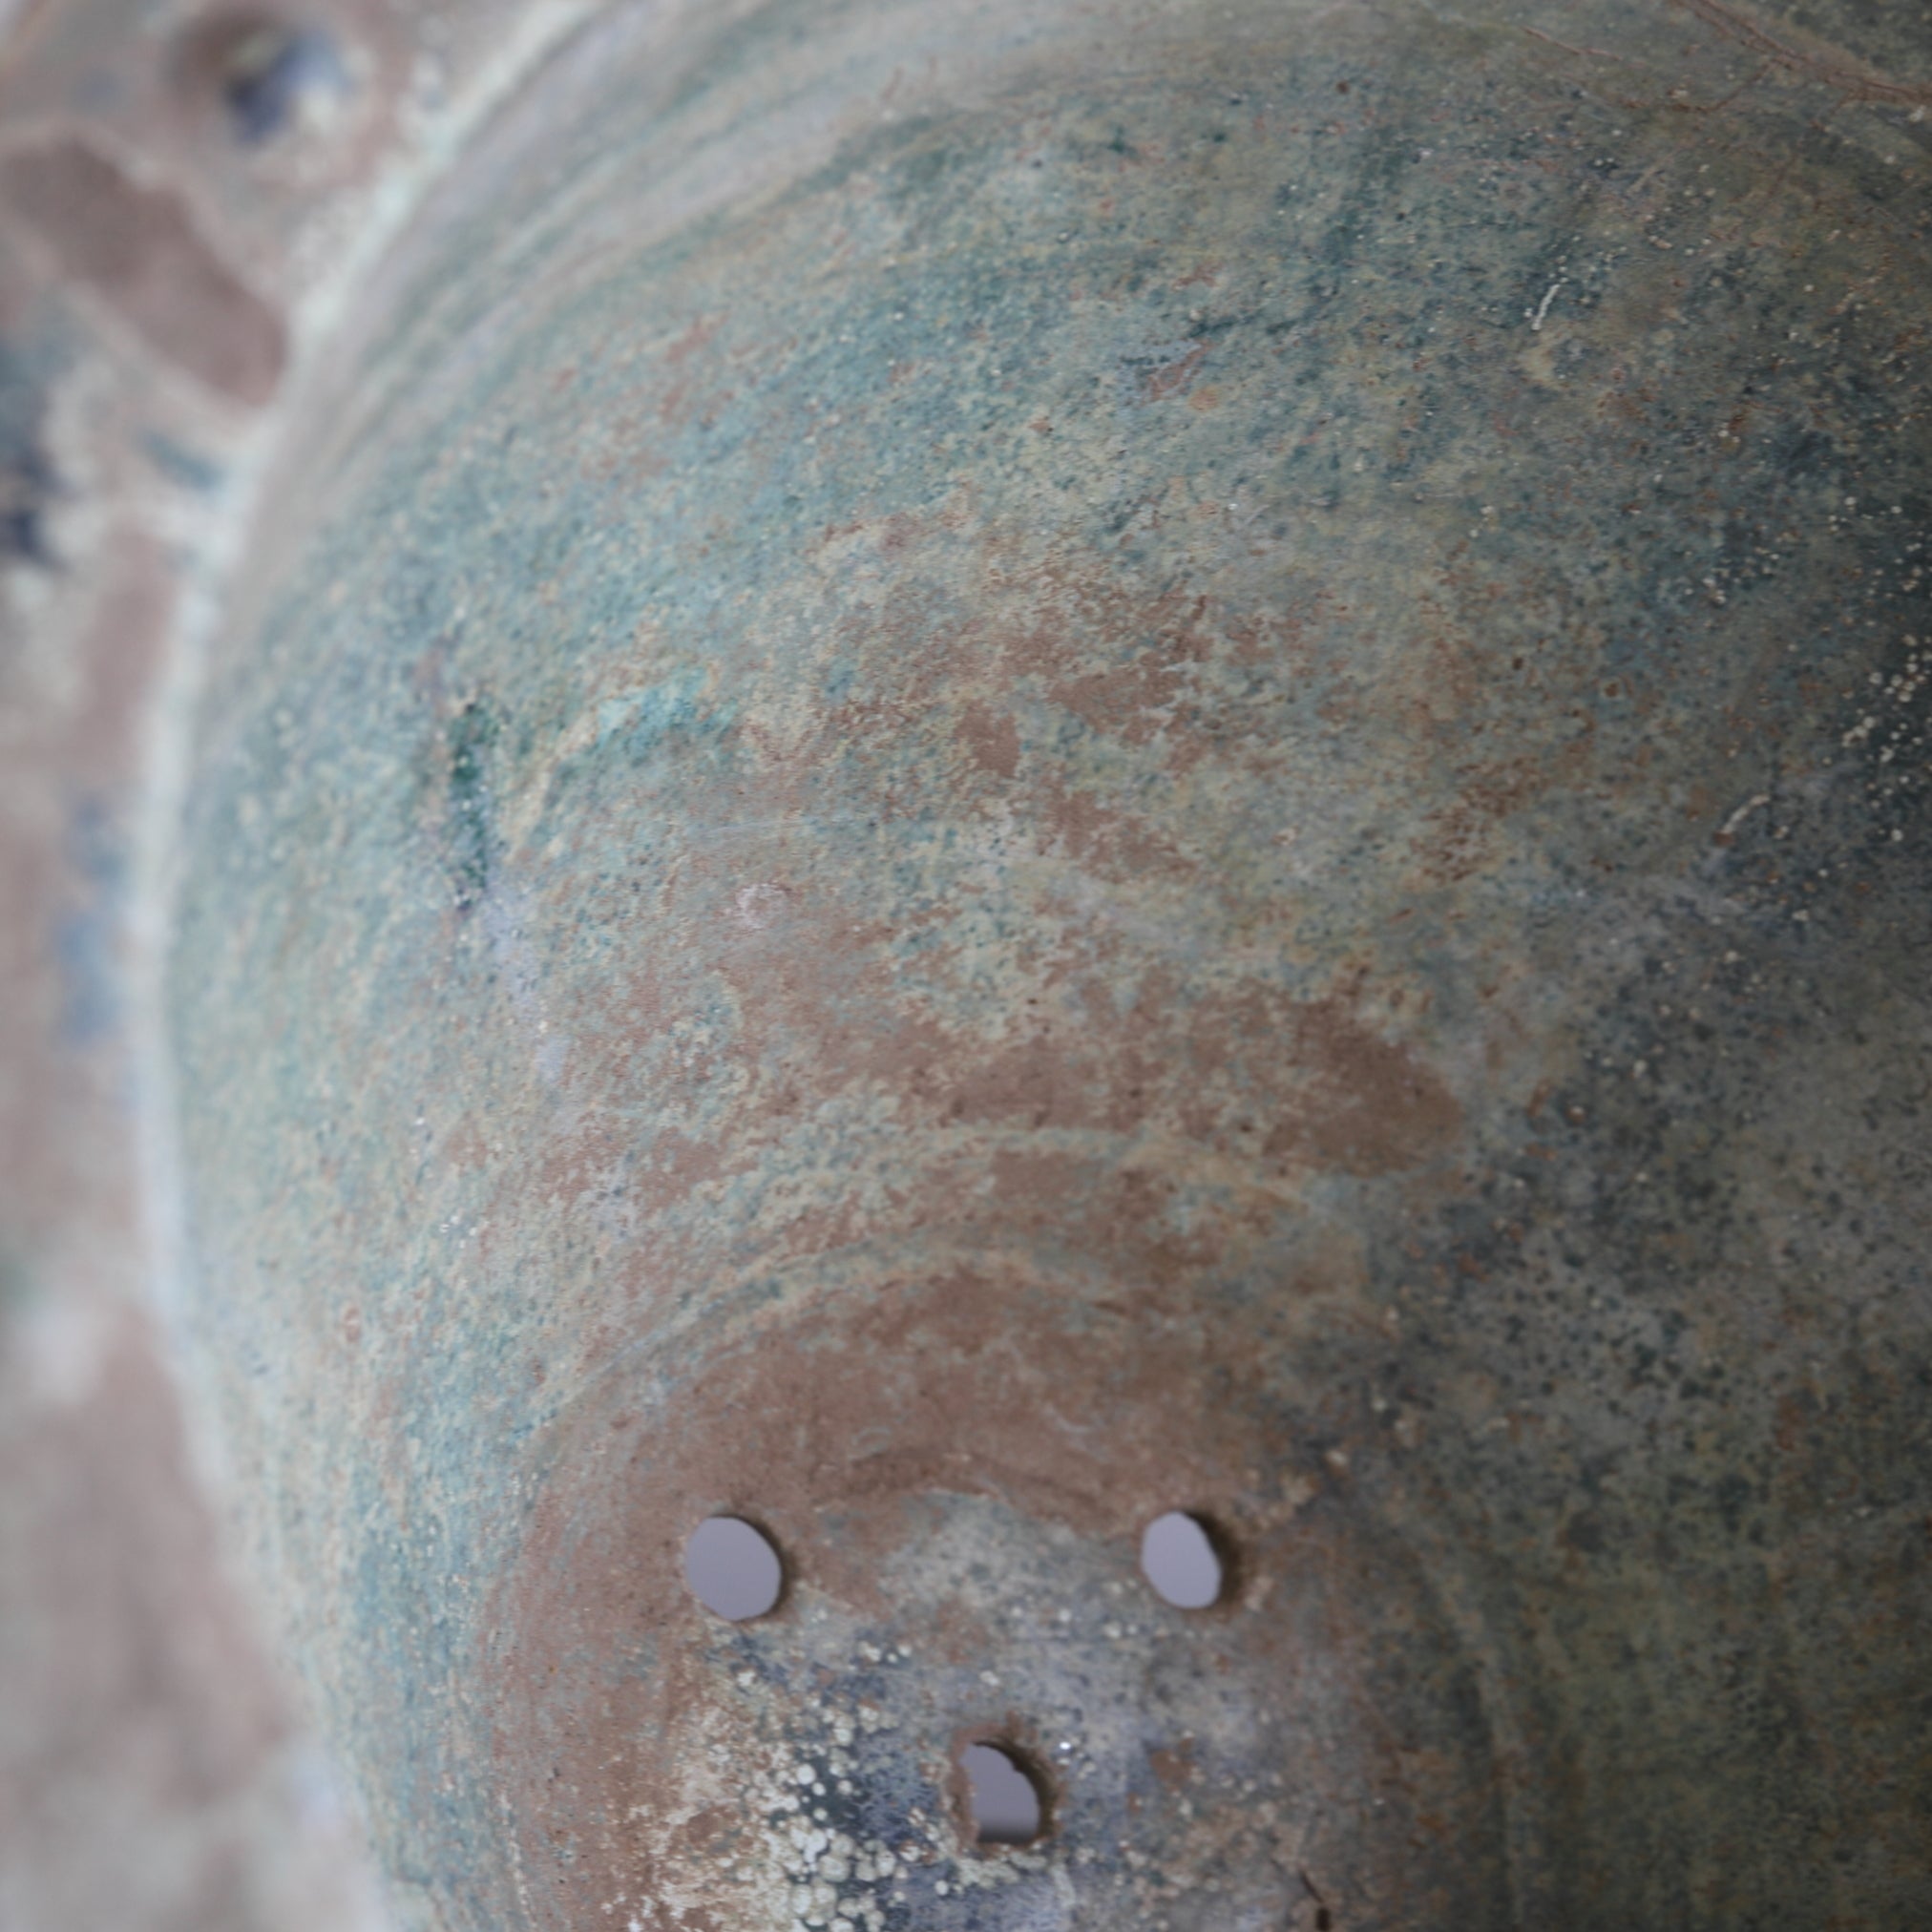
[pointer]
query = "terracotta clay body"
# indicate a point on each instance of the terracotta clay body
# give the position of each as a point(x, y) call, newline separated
point(979, 769)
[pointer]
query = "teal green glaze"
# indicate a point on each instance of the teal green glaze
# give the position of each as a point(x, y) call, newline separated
point(1242, 691)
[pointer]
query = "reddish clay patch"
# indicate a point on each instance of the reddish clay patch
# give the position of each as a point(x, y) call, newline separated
point(139, 250)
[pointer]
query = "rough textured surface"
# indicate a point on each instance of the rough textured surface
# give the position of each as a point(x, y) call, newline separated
point(986, 768)
point(976, 768)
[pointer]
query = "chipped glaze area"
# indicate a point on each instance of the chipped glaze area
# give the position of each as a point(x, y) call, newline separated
point(1004, 767)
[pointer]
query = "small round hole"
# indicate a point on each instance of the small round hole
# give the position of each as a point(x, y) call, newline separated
point(1003, 1794)
point(1180, 1558)
point(266, 78)
point(274, 78)
point(733, 1569)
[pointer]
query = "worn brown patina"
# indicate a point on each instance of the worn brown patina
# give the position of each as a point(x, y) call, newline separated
point(980, 770)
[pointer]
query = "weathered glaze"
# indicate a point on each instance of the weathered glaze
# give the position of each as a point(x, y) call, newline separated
point(988, 768)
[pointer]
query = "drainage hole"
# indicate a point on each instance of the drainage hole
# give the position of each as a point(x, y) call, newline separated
point(1004, 1793)
point(1182, 1557)
point(733, 1569)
